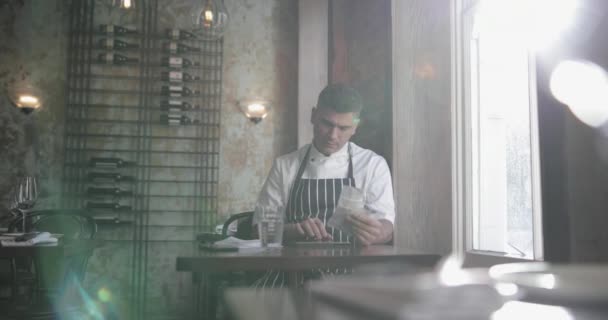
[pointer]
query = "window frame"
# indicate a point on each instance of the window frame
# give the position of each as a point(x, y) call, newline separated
point(462, 19)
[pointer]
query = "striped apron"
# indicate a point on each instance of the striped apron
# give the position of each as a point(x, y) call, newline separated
point(312, 198)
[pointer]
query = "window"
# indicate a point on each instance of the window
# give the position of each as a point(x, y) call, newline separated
point(501, 145)
point(496, 149)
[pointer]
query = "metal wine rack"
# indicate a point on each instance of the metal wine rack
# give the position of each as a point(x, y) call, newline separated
point(133, 159)
point(149, 174)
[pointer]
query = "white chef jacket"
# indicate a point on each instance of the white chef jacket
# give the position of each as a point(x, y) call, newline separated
point(370, 171)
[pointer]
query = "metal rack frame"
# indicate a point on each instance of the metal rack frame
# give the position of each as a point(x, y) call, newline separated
point(114, 111)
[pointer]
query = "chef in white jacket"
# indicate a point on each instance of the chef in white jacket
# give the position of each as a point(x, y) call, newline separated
point(308, 182)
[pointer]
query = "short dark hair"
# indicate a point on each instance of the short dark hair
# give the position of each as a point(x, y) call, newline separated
point(341, 99)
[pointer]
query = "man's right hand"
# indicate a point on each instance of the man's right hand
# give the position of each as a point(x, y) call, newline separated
point(309, 229)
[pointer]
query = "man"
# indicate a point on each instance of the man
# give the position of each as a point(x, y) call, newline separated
point(308, 182)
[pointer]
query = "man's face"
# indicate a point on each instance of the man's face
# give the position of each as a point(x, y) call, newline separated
point(332, 130)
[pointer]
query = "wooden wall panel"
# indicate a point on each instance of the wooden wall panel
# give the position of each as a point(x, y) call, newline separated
point(421, 122)
point(312, 61)
point(360, 55)
point(586, 148)
point(574, 156)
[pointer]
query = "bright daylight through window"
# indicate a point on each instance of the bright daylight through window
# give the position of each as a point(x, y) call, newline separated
point(501, 145)
point(502, 180)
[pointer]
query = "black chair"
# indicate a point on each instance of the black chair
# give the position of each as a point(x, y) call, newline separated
point(244, 229)
point(216, 283)
point(37, 282)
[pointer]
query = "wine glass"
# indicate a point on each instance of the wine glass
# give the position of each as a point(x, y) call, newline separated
point(24, 197)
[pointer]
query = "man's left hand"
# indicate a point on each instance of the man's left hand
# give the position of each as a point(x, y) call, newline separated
point(369, 230)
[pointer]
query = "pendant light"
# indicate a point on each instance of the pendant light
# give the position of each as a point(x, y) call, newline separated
point(210, 19)
point(123, 4)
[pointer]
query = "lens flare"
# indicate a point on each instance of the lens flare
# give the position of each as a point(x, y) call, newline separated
point(506, 289)
point(524, 310)
point(104, 295)
point(540, 23)
point(583, 87)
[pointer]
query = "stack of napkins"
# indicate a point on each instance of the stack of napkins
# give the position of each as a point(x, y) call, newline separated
point(232, 242)
point(29, 239)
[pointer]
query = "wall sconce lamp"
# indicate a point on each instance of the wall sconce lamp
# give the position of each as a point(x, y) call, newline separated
point(26, 98)
point(255, 110)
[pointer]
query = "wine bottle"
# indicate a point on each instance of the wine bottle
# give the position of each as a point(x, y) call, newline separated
point(176, 119)
point(178, 34)
point(110, 44)
point(111, 29)
point(114, 58)
point(108, 205)
point(116, 192)
point(175, 106)
point(109, 163)
point(106, 220)
point(175, 47)
point(177, 76)
point(177, 91)
point(108, 177)
point(177, 62)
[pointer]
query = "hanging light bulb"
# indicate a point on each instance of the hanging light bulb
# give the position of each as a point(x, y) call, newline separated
point(127, 4)
point(208, 15)
point(211, 19)
point(123, 4)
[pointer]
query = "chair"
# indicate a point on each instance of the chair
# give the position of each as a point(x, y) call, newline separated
point(244, 229)
point(44, 277)
point(218, 282)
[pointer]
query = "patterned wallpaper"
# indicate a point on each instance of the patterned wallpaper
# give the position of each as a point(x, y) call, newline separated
point(260, 60)
point(32, 51)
